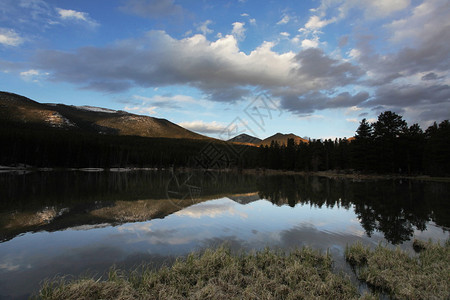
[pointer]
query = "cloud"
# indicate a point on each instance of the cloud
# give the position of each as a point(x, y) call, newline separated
point(310, 43)
point(315, 23)
point(165, 101)
point(407, 79)
point(73, 15)
point(285, 34)
point(9, 37)
point(151, 110)
point(32, 75)
point(306, 104)
point(430, 76)
point(371, 9)
point(399, 96)
point(203, 28)
point(152, 8)
point(238, 30)
point(202, 127)
point(218, 68)
point(284, 20)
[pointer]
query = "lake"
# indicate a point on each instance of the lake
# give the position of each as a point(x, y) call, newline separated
point(81, 223)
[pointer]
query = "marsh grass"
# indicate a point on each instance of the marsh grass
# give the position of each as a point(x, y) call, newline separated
point(219, 274)
point(426, 276)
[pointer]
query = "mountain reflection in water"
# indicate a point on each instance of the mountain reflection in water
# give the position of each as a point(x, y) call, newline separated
point(53, 201)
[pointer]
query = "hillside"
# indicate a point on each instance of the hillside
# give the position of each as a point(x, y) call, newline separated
point(19, 109)
point(281, 139)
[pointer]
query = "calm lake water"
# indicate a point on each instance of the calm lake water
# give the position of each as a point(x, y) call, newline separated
point(72, 223)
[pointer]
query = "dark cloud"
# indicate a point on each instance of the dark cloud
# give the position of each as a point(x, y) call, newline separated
point(430, 76)
point(231, 94)
point(431, 114)
point(108, 86)
point(409, 95)
point(328, 72)
point(311, 102)
point(152, 8)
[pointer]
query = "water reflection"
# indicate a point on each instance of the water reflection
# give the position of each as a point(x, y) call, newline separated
point(55, 201)
point(71, 222)
point(393, 207)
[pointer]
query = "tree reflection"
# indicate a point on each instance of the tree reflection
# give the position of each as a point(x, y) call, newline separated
point(394, 207)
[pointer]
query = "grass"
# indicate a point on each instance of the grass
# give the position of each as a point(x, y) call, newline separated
point(394, 272)
point(301, 274)
point(219, 274)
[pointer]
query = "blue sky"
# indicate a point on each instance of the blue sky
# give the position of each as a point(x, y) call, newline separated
point(313, 68)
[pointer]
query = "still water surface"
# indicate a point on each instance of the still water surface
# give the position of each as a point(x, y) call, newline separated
point(72, 223)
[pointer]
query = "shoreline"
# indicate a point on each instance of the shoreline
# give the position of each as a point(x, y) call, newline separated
point(332, 174)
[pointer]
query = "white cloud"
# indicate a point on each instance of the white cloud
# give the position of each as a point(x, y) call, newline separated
point(315, 23)
point(252, 21)
point(245, 15)
point(284, 20)
point(285, 34)
point(238, 30)
point(354, 53)
point(352, 120)
point(203, 127)
point(69, 14)
point(9, 37)
point(310, 43)
point(32, 75)
point(203, 28)
point(141, 109)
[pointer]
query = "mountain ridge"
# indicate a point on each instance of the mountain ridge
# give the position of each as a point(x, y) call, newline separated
point(17, 108)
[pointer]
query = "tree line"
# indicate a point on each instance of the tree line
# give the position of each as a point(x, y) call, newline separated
point(388, 145)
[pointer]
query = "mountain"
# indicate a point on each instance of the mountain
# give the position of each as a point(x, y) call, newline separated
point(245, 139)
point(282, 139)
point(16, 108)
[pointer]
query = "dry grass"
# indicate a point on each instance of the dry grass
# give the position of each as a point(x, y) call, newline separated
point(219, 274)
point(426, 276)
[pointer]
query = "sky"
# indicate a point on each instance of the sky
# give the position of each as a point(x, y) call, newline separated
point(221, 68)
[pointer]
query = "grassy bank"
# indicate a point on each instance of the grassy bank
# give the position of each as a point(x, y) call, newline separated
point(301, 274)
point(394, 272)
point(218, 274)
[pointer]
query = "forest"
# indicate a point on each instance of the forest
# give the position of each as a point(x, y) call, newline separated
point(388, 145)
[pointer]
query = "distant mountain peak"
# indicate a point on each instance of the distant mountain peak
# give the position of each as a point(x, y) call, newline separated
point(282, 139)
point(246, 139)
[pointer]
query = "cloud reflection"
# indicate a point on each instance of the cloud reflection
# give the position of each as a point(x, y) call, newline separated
point(213, 209)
